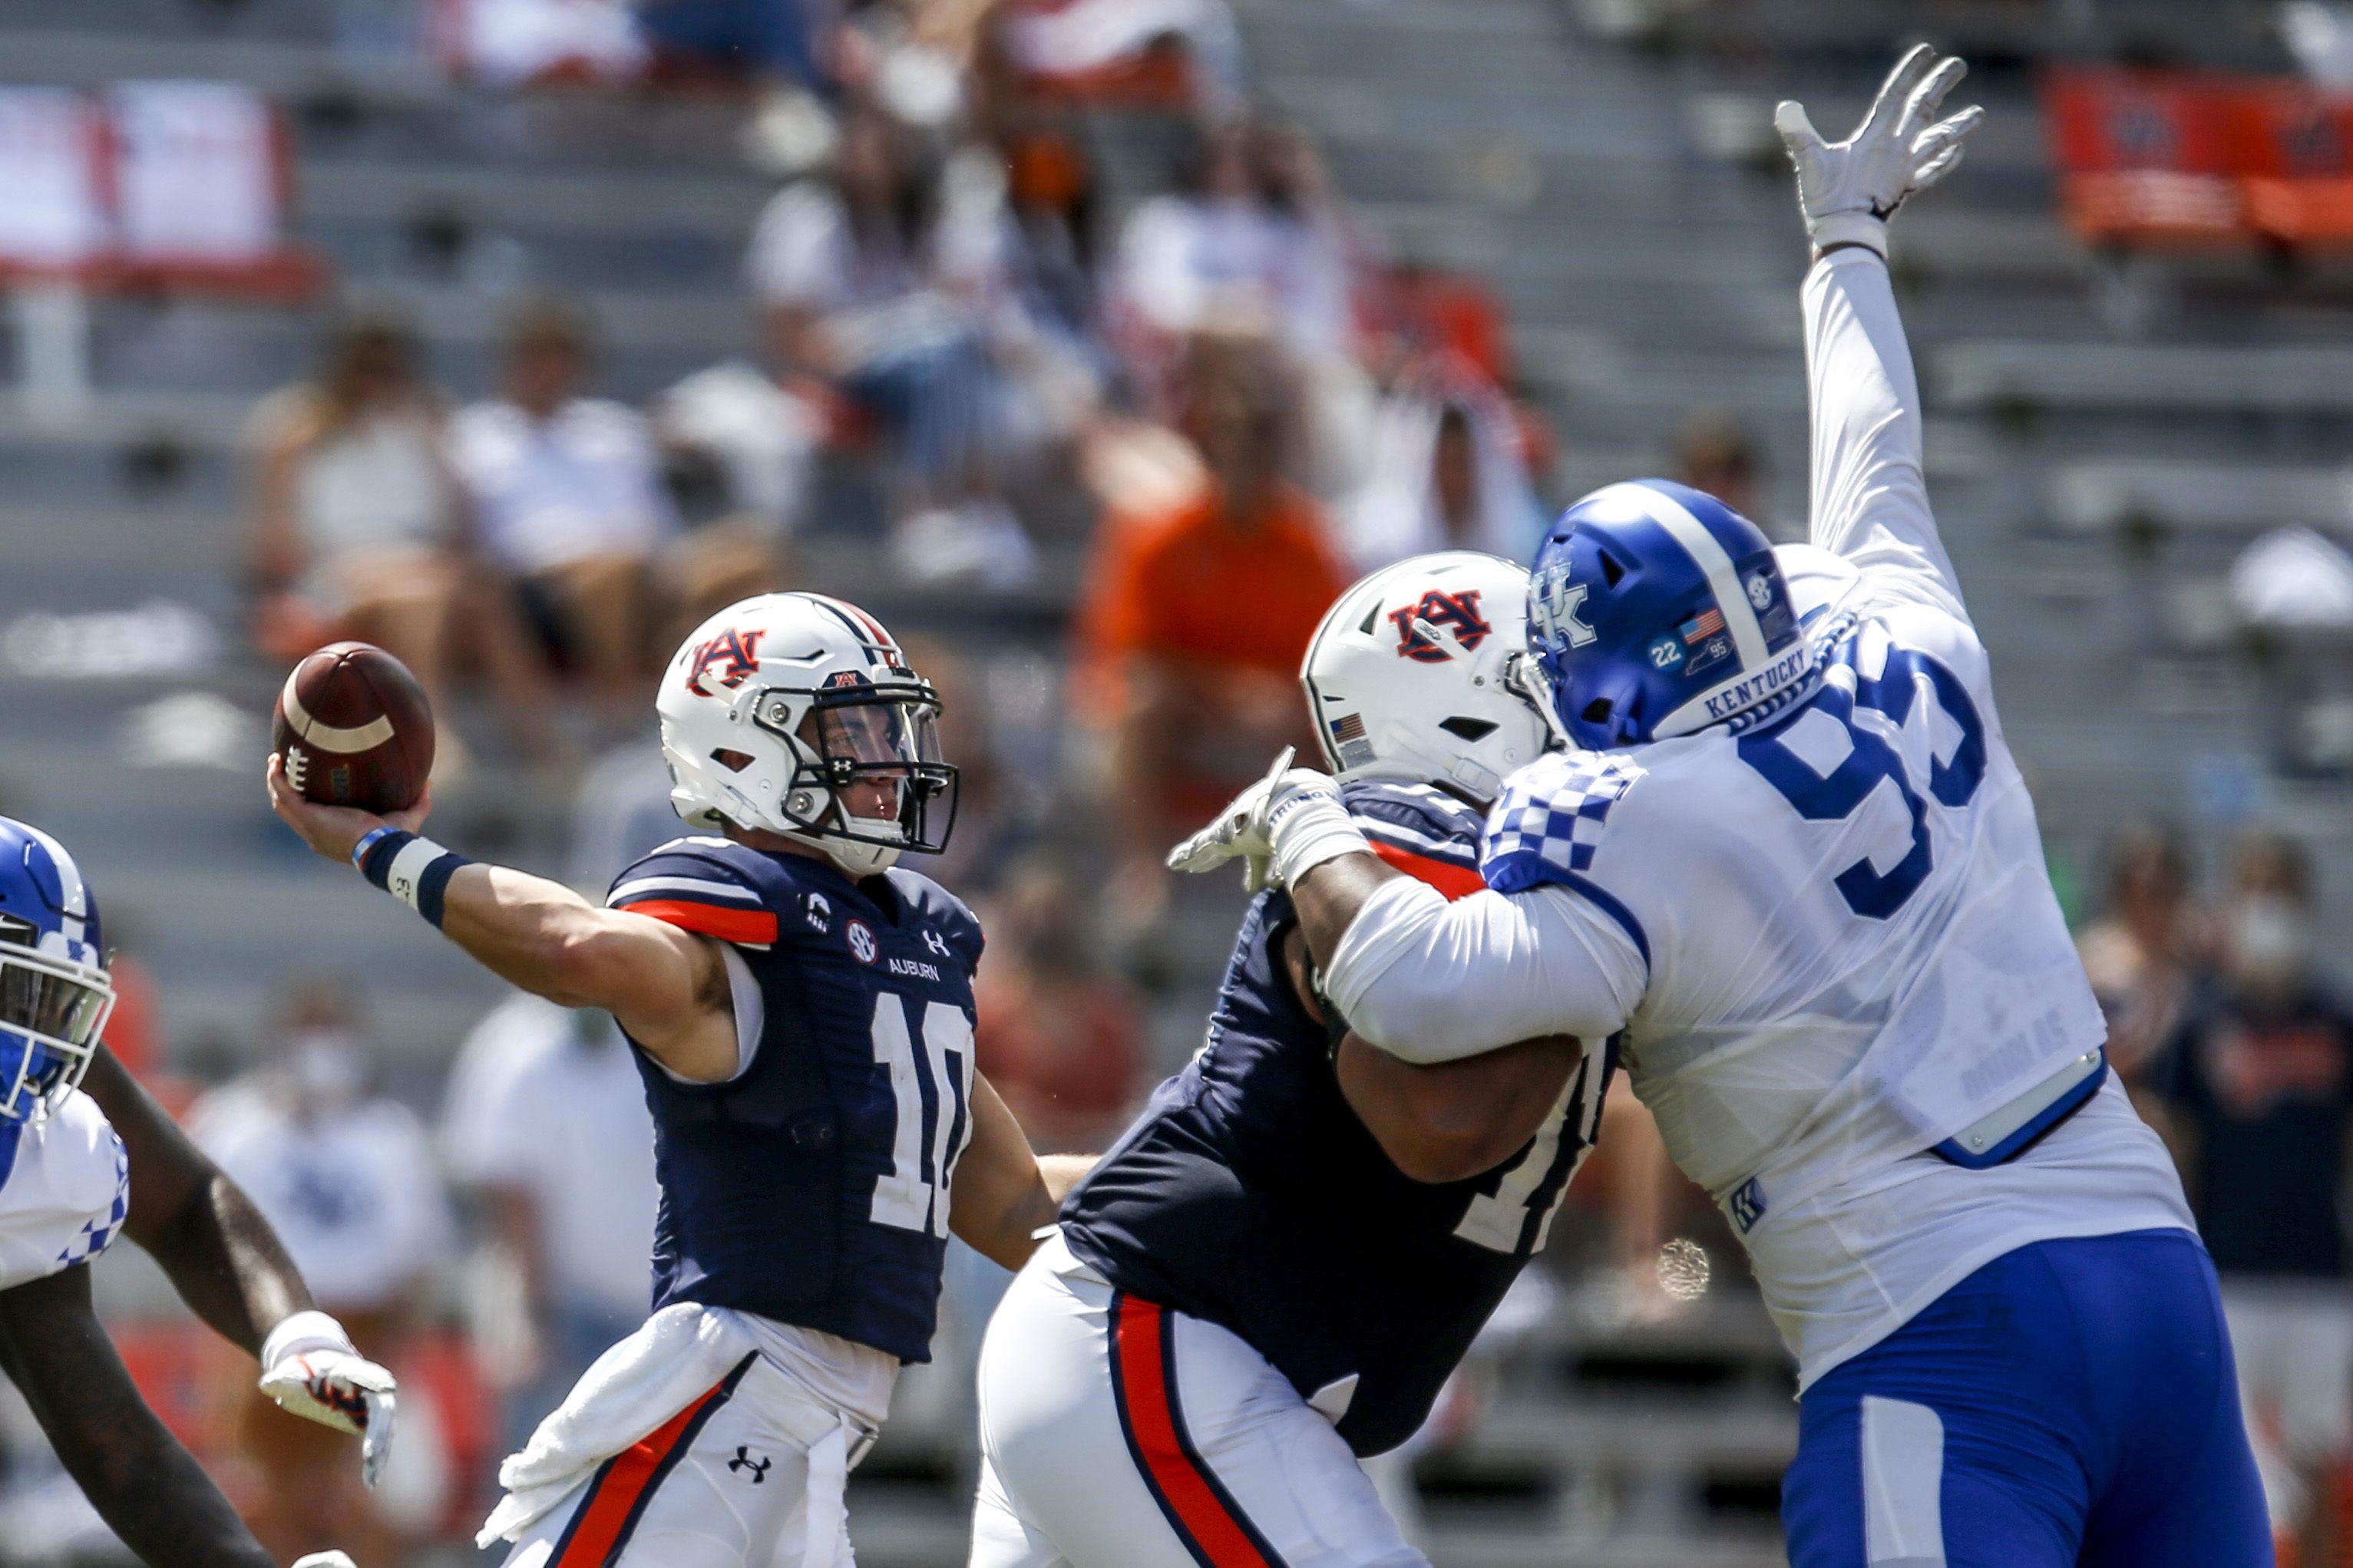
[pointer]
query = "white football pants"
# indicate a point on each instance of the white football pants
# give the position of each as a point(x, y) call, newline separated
point(749, 1475)
point(1117, 1434)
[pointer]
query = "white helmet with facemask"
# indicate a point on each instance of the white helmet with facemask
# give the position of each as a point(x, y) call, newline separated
point(798, 714)
point(1421, 671)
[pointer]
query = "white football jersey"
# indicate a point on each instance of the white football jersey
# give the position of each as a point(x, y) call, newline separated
point(65, 1186)
point(1833, 945)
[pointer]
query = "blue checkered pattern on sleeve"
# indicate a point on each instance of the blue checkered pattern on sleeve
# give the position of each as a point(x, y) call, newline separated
point(1550, 818)
point(96, 1233)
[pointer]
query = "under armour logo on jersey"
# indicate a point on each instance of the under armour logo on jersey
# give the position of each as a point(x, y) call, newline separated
point(937, 943)
point(1419, 626)
point(862, 946)
point(1555, 603)
point(744, 1461)
point(736, 653)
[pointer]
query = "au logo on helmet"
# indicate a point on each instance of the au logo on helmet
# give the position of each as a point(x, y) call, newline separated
point(734, 654)
point(1418, 626)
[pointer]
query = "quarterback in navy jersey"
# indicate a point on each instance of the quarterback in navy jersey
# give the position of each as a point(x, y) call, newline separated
point(801, 1008)
point(1276, 1268)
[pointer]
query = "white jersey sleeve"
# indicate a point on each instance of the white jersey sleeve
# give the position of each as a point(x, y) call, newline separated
point(1869, 499)
point(64, 1191)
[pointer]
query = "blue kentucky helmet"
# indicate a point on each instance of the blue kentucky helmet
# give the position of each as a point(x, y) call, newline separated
point(55, 994)
point(1657, 610)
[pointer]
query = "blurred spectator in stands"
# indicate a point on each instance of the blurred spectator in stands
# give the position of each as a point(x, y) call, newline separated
point(568, 496)
point(1173, 52)
point(2291, 593)
point(1061, 1037)
point(843, 270)
point(2148, 954)
point(768, 41)
point(1245, 242)
point(544, 1121)
point(1195, 617)
point(356, 528)
point(347, 1177)
point(1716, 453)
point(2260, 1083)
point(1447, 474)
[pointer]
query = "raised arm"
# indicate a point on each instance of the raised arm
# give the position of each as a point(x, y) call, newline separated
point(668, 987)
point(1870, 501)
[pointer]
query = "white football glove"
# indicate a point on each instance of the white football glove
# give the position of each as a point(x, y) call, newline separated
point(1849, 189)
point(1280, 826)
point(310, 1367)
point(326, 1559)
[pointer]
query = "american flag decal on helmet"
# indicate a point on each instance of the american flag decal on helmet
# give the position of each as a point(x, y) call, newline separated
point(1348, 727)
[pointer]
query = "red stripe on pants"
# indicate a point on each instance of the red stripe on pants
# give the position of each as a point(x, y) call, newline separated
point(597, 1530)
point(1145, 1380)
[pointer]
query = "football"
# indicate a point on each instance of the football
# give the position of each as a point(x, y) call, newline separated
point(353, 728)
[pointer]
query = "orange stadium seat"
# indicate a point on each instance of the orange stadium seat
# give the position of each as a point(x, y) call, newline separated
point(2147, 156)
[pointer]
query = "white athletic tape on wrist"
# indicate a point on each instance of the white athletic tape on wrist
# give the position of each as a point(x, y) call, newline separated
point(408, 869)
point(1309, 828)
point(1850, 228)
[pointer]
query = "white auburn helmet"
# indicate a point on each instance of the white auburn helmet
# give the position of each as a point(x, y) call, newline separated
point(1421, 671)
point(798, 714)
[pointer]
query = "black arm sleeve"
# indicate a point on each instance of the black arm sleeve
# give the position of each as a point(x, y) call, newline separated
point(146, 1487)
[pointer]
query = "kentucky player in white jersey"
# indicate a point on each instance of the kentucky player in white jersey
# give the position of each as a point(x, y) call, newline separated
point(86, 1156)
point(1796, 864)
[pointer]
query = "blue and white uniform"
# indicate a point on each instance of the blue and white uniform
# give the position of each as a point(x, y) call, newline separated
point(1245, 1293)
point(65, 1177)
point(1849, 1000)
point(803, 1225)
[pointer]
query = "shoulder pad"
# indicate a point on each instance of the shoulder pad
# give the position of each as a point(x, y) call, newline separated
point(931, 903)
point(1421, 830)
point(712, 885)
point(1551, 817)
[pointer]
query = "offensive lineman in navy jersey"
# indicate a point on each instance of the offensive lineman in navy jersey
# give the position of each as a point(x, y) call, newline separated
point(1278, 1266)
point(802, 1016)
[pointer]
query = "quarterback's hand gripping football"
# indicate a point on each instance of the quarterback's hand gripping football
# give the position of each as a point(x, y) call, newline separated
point(331, 830)
point(1849, 189)
point(309, 1368)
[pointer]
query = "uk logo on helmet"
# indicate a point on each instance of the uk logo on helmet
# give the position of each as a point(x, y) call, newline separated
point(1419, 625)
point(736, 655)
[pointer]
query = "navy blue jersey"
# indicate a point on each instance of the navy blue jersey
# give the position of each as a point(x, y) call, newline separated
point(1250, 1194)
point(813, 1187)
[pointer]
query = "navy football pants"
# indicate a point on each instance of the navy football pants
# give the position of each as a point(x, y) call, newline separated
point(2072, 1403)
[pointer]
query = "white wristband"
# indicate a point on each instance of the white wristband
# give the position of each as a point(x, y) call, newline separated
point(1309, 828)
point(304, 1331)
point(1849, 228)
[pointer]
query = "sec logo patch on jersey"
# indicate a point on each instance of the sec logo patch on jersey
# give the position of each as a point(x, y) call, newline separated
point(862, 946)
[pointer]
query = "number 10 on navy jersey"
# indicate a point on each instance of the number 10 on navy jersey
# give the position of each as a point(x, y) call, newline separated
point(931, 1084)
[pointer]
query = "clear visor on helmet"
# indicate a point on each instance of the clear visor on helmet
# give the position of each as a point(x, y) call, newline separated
point(51, 1010)
point(876, 774)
